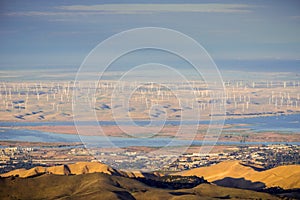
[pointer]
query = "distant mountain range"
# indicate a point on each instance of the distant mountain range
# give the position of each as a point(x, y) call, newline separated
point(92, 180)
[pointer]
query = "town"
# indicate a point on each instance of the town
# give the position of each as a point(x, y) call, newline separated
point(260, 157)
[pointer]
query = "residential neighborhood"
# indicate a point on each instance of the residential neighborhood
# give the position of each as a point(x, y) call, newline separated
point(261, 157)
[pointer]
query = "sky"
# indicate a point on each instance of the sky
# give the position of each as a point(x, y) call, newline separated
point(247, 35)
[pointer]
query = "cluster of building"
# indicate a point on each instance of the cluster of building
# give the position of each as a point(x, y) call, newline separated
point(15, 157)
point(27, 157)
point(262, 157)
point(136, 160)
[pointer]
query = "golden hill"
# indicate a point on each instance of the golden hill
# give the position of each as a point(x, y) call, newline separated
point(104, 186)
point(286, 177)
point(91, 167)
point(77, 168)
point(224, 169)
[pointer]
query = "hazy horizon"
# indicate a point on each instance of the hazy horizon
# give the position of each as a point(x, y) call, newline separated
point(257, 36)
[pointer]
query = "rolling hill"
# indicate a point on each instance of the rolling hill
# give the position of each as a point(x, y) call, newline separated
point(92, 180)
point(104, 186)
point(286, 177)
point(77, 168)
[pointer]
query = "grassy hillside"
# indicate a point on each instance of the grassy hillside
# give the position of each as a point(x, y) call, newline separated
point(87, 180)
point(286, 177)
point(104, 186)
point(77, 168)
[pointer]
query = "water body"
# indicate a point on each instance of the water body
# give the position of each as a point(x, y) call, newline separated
point(285, 123)
point(8, 134)
point(281, 123)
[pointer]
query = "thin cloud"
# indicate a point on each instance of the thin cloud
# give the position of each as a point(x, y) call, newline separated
point(85, 10)
point(295, 17)
point(50, 13)
point(154, 8)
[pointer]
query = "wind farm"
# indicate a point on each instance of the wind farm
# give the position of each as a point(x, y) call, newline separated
point(52, 101)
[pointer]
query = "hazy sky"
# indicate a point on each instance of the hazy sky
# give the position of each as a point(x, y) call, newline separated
point(61, 33)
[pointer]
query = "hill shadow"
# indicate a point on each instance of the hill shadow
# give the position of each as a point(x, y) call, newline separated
point(240, 183)
point(172, 181)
